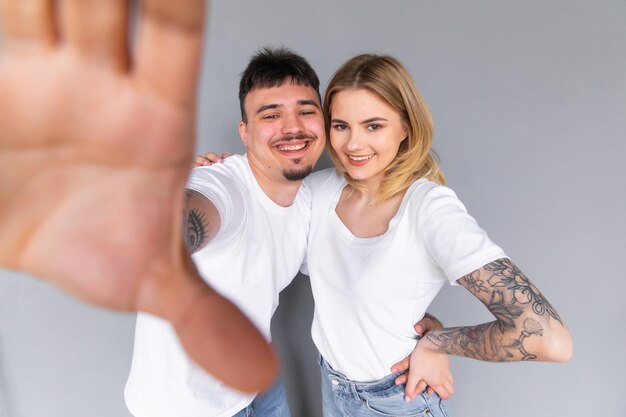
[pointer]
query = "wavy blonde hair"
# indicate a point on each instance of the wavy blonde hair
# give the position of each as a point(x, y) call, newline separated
point(386, 77)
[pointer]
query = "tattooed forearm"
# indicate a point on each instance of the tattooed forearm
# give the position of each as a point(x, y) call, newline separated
point(521, 312)
point(486, 342)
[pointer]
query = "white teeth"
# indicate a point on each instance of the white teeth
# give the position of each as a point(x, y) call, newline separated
point(291, 147)
point(360, 158)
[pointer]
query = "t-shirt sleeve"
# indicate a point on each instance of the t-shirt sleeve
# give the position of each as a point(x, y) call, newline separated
point(452, 237)
point(226, 194)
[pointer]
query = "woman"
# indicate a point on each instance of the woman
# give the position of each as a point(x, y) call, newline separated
point(385, 236)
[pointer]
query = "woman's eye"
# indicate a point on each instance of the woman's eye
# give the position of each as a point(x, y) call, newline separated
point(339, 127)
point(374, 126)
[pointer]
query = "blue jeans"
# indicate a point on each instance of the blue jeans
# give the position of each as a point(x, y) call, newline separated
point(269, 403)
point(344, 398)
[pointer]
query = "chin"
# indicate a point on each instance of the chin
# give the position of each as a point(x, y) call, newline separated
point(297, 174)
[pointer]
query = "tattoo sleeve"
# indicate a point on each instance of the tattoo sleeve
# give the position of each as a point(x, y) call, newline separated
point(521, 312)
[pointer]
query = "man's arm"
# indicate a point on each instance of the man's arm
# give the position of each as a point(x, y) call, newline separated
point(202, 221)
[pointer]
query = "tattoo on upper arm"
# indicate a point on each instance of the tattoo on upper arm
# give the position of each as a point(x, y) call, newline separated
point(506, 275)
point(197, 225)
point(507, 293)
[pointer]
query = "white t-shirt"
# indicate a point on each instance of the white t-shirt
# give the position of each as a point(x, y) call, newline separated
point(369, 292)
point(256, 253)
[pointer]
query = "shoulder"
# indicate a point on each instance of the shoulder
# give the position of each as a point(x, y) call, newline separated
point(228, 179)
point(427, 198)
point(426, 191)
point(227, 186)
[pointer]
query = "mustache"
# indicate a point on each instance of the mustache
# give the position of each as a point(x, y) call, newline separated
point(290, 137)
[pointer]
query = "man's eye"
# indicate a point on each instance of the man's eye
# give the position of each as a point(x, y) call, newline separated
point(271, 116)
point(307, 112)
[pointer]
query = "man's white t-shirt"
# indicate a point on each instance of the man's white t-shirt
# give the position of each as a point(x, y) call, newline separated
point(258, 250)
point(369, 292)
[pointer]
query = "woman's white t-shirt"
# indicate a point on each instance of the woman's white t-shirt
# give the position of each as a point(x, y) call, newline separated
point(369, 292)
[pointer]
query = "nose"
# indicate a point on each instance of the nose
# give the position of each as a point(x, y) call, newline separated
point(292, 124)
point(354, 143)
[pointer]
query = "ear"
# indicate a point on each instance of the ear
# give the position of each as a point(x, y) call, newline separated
point(243, 132)
point(405, 133)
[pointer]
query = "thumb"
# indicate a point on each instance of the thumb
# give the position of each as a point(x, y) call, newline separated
point(401, 366)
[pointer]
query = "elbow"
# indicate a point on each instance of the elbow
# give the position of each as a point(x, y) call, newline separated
point(558, 346)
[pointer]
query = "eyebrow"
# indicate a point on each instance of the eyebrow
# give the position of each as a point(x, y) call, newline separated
point(303, 102)
point(374, 119)
point(364, 122)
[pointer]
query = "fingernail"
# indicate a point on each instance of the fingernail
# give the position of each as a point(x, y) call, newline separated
point(407, 399)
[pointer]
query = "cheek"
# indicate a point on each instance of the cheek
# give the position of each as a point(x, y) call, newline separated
point(316, 128)
point(336, 143)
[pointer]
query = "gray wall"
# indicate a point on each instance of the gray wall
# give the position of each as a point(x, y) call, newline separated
point(529, 103)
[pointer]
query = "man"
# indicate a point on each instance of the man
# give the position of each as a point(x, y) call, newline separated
point(248, 226)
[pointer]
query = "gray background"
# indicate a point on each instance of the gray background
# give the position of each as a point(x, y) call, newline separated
point(529, 103)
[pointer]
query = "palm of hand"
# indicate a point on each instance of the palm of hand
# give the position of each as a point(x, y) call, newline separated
point(92, 175)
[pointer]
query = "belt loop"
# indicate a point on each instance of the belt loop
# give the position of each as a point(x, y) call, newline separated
point(354, 392)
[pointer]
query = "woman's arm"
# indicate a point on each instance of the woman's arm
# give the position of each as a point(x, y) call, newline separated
point(527, 327)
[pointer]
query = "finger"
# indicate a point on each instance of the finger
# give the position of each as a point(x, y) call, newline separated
point(27, 24)
point(450, 389)
point(226, 155)
point(168, 48)
point(420, 387)
point(212, 156)
point(411, 387)
point(97, 30)
point(201, 161)
point(419, 327)
point(401, 379)
point(443, 390)
point(401, 366)
point(430, 390)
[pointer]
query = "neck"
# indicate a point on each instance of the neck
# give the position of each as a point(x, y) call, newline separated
point(370, 193)
point(281, 191)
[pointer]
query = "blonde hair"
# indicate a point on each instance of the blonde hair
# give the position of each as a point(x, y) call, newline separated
point(386, 77)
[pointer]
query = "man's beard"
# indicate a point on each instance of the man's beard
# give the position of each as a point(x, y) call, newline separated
point(297, 174)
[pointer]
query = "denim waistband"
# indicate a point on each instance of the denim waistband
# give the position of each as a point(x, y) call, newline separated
point(370, 387)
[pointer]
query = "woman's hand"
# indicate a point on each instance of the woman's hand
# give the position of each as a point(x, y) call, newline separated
point(434, 376)
point(427, 369)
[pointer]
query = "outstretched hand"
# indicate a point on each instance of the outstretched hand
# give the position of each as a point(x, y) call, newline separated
point(96, 143)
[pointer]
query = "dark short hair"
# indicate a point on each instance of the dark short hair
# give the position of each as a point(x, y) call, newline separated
point(272, 68)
